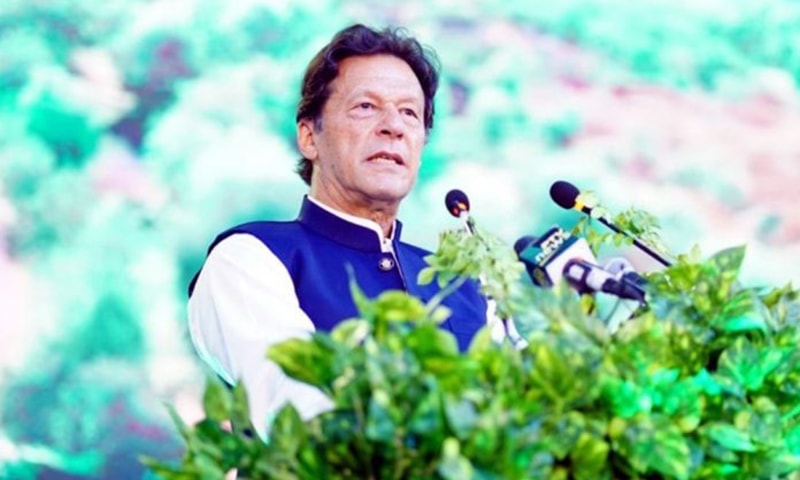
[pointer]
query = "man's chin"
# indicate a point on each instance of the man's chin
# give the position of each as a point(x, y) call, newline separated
point(388, 194)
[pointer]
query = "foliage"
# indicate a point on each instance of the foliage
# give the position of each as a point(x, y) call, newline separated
point(481, 255)
point(701, 383)
point(634, 222)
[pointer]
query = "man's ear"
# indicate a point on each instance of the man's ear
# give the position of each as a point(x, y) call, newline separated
point(305, 139)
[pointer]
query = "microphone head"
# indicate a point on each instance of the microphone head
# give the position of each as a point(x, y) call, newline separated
point(456, 202)
point(618, 266)
point(564, 194)
point(545, 257)
point(524, 242)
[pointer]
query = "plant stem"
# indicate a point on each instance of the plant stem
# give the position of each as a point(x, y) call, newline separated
point(437, 299)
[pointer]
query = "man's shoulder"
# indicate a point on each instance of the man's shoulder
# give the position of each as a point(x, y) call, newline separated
point(265, 227)
point(268, 231)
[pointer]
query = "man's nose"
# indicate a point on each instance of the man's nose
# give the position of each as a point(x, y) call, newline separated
point(392, 123)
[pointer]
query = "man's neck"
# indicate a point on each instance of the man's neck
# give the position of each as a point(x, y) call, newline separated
point(383, 219)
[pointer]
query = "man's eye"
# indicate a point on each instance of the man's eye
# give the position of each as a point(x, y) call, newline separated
point(410, 112)
point(365, 105)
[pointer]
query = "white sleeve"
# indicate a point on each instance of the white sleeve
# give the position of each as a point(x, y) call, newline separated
point(243, 302)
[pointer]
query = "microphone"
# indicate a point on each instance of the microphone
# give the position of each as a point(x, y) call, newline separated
point(457, 204)
point(623, 269)
point(586, 276)
point(557, 255)
point(565, 195)
point(546, 257)
point(524, 242)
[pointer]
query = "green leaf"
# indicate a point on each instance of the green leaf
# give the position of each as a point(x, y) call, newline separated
point(743, 323)
point(552, 376)
point(397, 306)
point(240, 410)
point(729, 437)
point(655, 444)
point(778, 464)
point(439, 314)
point(208, 468)
point(217, 401)
point(762, 421)
point(740, 313)
point(712, 469)
point(362, 303)
point(426, 275)
point(183, 429)
point(729, 261)
point(305, 360)
point(740, 364)
point(589, 457)
point(461, 416)
point(453, 465)
point(166, 472)
point(428, 340)
point(626, 398)
point(380, 425)
point(793, 439)
point(670, 453)
point(566, 431)
point(707, 383)
point(482, 342)
point(350, 333)
point(427, 418)
point(288, 432)
point(746, 366)
point(340, 427)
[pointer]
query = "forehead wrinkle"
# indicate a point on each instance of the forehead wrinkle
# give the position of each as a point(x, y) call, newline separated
point(396, 83)
point(411, 97)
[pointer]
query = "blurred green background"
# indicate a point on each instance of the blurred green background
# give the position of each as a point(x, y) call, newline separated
point(131, 132)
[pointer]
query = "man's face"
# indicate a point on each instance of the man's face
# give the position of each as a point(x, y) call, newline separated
point(367, 153)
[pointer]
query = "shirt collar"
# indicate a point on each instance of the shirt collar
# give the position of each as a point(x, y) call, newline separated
point(355, 232)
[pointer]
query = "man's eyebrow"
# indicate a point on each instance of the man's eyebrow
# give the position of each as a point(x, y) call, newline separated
point(367, 92)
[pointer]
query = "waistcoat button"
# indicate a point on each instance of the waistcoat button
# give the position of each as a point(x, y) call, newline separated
point(386, 264)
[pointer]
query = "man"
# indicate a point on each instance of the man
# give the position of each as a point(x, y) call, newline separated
point(363, 119)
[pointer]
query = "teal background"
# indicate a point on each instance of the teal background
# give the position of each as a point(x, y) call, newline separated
point(133, 131)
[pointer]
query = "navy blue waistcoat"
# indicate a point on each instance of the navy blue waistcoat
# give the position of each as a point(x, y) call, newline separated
point(316, 248)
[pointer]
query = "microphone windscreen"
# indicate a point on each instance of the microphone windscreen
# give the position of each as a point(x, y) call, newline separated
point(564, 194)
point(524, 242)
point(456, 202)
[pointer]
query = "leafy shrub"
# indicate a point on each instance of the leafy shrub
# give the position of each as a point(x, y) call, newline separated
point(701, 382)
